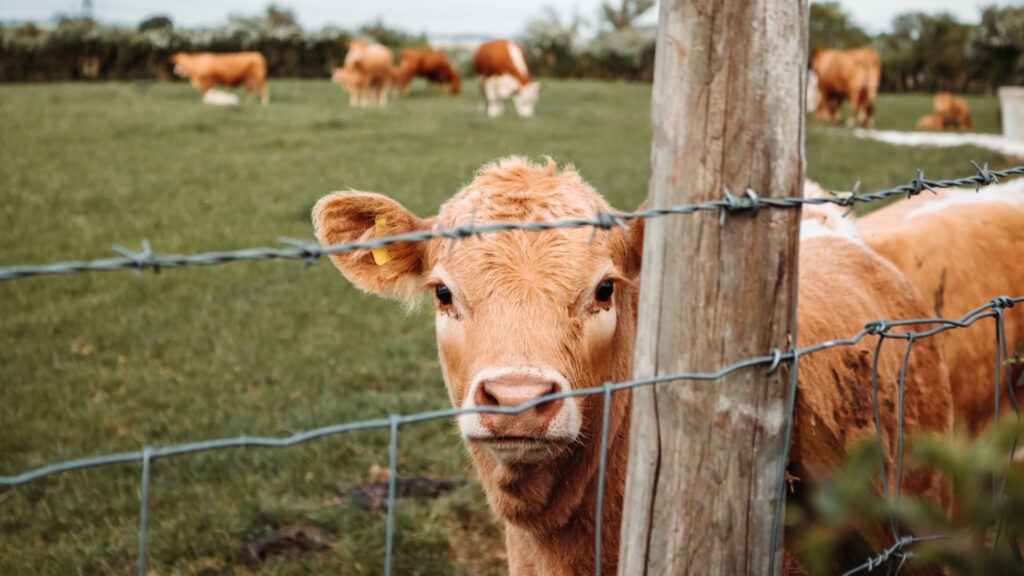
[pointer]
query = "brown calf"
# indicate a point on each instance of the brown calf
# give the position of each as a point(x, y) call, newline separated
point(206, 70)
point(523, 314)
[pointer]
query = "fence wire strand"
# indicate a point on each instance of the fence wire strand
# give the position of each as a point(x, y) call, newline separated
point(311, 252)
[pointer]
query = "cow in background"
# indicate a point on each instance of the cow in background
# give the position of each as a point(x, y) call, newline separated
point(954, 111)
point(841, 75)
point(429, 64)
point(501, 67)
point(368, 68)
point(206, 70)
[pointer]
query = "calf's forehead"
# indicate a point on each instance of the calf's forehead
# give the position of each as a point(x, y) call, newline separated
point(515, 190)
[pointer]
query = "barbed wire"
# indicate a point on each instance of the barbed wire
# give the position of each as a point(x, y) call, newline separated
point(882, 328)
point(311, 251)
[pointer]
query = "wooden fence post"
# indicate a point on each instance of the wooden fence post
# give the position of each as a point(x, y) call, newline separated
point(704, 457)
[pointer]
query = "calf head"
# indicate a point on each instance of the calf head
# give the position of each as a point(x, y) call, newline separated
point(519, 315)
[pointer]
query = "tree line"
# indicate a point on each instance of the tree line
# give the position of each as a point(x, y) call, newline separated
point(920, 52)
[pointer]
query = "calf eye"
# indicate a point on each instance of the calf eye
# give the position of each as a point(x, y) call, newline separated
point(604, 291)
point(444, 295)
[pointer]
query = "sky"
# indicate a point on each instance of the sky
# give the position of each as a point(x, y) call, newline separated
point(435, 17)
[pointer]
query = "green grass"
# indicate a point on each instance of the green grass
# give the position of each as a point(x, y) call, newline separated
point(100, 363)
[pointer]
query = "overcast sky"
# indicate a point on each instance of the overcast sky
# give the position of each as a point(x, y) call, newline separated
point(492, 17)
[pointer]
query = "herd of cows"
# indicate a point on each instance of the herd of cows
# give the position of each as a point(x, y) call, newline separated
point(522, 314)
point(369, 73)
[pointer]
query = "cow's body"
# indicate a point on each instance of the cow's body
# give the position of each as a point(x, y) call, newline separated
point(852, 75)
point(522, 314)
point(206, 70)
point(366, 74)
point(430, 65)
point(961, 249)
point(931, 122)
point(953, 110)
point(501, 67)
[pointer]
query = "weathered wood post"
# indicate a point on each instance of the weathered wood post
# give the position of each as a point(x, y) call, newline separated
point(705, 456)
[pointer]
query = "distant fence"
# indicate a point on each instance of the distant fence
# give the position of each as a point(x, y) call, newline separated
point(750, 202)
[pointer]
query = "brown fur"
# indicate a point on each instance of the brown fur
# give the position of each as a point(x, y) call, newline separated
point(206, 70)
point(527, 298)
point(433, 66)
point(368, 68)
point(960, 258)
point(492, 59)
point(852, 75)
point(931, 122)
point(953, 111)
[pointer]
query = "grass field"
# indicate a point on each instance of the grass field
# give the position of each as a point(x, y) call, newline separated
point(100, 363)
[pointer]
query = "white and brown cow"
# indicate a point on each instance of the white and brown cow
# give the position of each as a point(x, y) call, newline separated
point(523, 314)
point(501, 67)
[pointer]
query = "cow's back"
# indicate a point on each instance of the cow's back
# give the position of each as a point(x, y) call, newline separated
point(501, 57)
point(961, 249)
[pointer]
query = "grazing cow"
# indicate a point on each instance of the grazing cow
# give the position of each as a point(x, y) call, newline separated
point(206, 70)
point(501, 67)
point(845, 75)
point(961, 249)
point(368, 67)
point(522, 314)
point(433, 66)
point(953, 110)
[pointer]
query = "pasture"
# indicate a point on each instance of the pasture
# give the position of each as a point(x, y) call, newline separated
point(98, 363)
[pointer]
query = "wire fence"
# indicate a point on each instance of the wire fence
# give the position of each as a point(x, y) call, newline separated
point(311, 251)
point(882, 328)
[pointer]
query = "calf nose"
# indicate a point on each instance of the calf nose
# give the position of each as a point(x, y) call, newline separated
point(513, 390)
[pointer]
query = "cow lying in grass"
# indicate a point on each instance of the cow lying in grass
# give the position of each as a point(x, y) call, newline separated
point(206, 70)
point(523, 314)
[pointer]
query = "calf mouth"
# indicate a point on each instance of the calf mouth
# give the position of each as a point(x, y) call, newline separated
point(521, 449)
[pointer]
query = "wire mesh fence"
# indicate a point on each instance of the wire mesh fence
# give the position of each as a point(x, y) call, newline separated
point(883, 329)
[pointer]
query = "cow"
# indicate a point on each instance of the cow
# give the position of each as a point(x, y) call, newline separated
point(840, 75)
point(522, 314)
point(961, 249)
point(206, 70)
point(368, 68)
point(433, 66)
point(501, 67)
point(931, 122)
point(953, 110)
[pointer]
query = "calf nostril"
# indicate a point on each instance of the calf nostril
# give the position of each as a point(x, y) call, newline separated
point(484, 397)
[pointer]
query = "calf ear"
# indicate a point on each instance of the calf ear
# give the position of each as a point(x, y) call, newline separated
point(636, 240)
point(395, 271)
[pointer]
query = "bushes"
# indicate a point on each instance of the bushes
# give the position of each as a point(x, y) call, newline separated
point(82, 49)
point(558, 50)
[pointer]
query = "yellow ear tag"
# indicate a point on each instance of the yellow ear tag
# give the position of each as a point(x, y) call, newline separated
point(381, 255)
